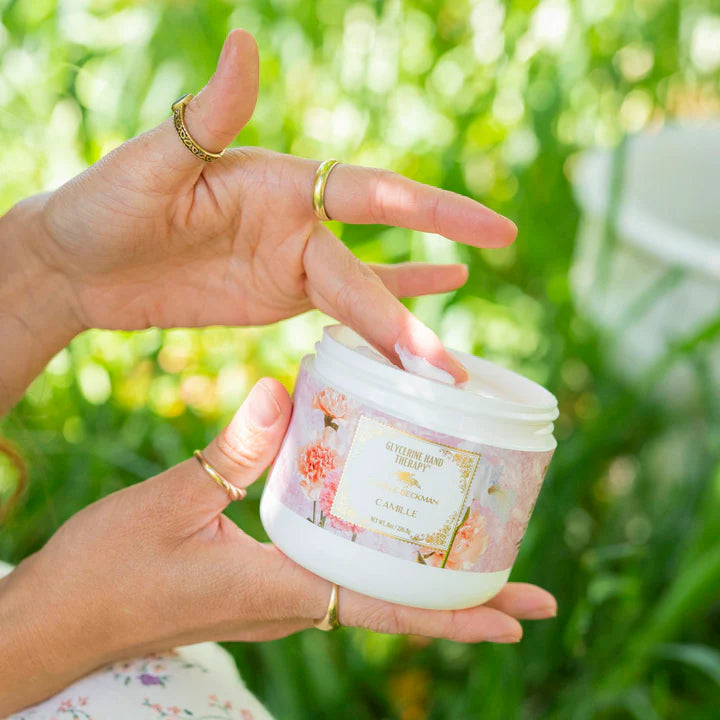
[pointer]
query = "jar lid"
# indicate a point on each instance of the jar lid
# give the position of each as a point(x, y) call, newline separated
point(498, 404)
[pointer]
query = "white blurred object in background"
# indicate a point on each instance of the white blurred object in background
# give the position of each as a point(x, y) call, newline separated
point(647, 261)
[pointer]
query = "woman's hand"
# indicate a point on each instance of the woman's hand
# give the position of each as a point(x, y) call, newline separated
point(158, 564)
point(151, 235)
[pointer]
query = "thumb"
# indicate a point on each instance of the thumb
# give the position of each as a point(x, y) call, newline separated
point(215, 115)
point(220, 110)
point(242, 450)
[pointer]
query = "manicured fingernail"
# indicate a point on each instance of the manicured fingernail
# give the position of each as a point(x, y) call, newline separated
point(263, 408)
point(227, 52)
point(421, 352)
point(453, 371)
point(509, 638)
point(418, 365)
point(512, 228)
point(542, 613)
point(457, 369)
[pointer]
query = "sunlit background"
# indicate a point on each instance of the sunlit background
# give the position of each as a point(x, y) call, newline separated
point(497, 100)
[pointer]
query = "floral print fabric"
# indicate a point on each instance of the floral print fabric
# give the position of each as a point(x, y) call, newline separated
point(195, 682)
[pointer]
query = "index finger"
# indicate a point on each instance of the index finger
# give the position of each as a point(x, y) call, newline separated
point(363, 195)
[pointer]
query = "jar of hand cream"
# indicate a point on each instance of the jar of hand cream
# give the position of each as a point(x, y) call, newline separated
point(402, 487)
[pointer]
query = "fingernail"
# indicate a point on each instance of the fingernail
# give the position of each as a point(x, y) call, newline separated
point(417, 344)
point(541, 613)
point(508, 638)
point(458, 369)
point(550, 610)
point(512, 228)
point(227, 48)
point(263, 408)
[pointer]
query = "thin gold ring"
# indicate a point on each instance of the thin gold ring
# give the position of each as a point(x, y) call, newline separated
point(178, 108)
point(318, 193)
point(235, 492)
point(330, 621)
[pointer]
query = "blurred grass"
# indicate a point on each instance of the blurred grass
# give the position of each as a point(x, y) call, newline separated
point(489, 99)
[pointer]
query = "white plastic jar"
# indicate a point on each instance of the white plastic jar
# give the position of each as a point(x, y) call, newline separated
point(404, 488)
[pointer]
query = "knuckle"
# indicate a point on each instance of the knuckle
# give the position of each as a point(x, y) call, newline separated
point(243, 448)
point(346, 298)
point(350, 294)
point(382, 181)
point(449, 626)
point(384, 618)
point(246, 154)
point(202, 121)
point(434, 212)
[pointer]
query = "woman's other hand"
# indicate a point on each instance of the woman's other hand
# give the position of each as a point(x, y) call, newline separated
point(158, 564)
point(151, 235)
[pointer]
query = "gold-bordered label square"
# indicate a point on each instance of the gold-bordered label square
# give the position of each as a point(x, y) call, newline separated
point(401, 485)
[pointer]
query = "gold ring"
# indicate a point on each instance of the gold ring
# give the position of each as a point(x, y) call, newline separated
point(318, 193)
point(330, 621)
point(178, 108)
point(235, 492)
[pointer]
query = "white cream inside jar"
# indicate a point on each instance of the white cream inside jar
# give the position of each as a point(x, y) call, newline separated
point(406, 488)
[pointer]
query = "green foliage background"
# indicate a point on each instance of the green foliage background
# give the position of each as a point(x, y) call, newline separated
point(492, 99)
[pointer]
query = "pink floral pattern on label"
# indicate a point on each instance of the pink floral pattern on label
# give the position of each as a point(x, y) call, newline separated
point(482, 533)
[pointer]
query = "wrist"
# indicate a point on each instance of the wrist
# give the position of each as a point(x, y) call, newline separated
point(31, 280)
point(38, 656)
point(37, 315)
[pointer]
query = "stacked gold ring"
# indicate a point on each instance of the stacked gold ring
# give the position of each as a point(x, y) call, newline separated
point(318, 192)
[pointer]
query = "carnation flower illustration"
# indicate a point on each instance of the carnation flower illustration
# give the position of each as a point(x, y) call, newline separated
point(327, 496)
point(334, 405)
point(315, 460)
point(469, 543)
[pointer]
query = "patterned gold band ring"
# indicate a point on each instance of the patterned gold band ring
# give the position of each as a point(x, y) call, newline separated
point(235, 492)
point(178, 108)
point(318, 193)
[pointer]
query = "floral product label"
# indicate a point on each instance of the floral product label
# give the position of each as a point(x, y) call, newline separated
point(402, 489)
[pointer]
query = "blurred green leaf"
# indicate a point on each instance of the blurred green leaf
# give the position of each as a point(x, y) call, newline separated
point(700, 657)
